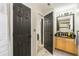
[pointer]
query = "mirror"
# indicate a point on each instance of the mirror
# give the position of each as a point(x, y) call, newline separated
point(65, 23)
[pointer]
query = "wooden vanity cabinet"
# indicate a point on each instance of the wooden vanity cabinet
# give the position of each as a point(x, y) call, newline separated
point(71, 46)
point(65, 44)
point(60, 43)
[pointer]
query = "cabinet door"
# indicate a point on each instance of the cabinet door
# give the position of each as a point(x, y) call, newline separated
point(63, 46)
point(60, 43)
point(56, 42)
point(70, 46)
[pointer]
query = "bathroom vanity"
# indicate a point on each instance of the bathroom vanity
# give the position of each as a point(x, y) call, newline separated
point(66, 44)
point(65, 39)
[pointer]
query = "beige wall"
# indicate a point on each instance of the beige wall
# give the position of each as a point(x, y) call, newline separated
point(3, 30)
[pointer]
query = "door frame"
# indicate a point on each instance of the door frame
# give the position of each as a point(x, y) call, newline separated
point(42, 22)
point(10, 24)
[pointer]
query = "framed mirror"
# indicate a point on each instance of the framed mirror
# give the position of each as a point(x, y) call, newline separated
point(65, 23)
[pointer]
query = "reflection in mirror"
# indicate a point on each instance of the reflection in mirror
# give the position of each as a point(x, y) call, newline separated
point(65, 23)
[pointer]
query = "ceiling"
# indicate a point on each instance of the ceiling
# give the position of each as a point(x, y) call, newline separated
point(44, 7)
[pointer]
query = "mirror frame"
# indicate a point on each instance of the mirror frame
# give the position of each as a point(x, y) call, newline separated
point(57, 29)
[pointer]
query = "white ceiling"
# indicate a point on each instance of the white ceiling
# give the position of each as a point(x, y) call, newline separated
point(52, 4)
point(44, 7)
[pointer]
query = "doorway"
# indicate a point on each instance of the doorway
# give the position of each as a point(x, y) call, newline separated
point(48, 32)
point(21, 30)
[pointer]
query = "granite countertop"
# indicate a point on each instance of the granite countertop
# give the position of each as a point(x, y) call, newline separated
point(65, 37)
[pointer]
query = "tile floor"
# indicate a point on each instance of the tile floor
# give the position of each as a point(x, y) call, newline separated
point(44, 52)
point(60, 53)
point(41, 51)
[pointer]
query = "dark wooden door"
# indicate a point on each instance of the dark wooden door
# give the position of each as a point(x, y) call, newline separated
point(41, 31)
point(48, 32)
point(21, 30)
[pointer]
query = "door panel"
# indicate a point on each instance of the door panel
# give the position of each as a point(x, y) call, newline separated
point(48, 32)
point(21, 30)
